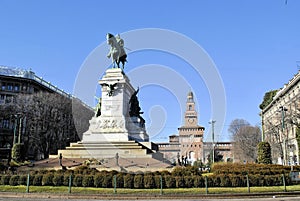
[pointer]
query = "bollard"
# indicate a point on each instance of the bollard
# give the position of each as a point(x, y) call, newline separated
point(161, 185)
point(70, 183)
point(28, 181)
point(206, 185)
point(284, 184)
point(248, 183)
point(115, 184)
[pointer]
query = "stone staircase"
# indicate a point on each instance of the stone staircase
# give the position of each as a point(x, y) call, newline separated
point(104, 150)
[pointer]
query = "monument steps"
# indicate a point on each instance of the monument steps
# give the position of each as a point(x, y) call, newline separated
point(101, 150)
point(106, 145)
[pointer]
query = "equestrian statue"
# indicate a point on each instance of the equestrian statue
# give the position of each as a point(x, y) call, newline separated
point(117, 52)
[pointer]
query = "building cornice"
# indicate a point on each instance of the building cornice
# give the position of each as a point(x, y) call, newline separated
point(281, 92)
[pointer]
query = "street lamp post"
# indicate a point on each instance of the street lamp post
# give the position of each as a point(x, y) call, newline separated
point(212, 122)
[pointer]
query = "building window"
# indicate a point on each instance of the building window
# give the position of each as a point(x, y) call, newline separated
point(9, 87)
point(4, 123)
point(17, 87)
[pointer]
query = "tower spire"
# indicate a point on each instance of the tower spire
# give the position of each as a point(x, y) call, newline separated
point(191, 116)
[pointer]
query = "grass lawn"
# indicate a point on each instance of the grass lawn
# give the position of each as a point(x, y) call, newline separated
point(88, 190)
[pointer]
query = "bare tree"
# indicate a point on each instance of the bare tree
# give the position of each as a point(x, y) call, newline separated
point(246, 139)
point(48, 122)
point(236, 124)
point(272, 135)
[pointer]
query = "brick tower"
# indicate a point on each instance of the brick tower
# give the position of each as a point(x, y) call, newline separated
point(191, 134)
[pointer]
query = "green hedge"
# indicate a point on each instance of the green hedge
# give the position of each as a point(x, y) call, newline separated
point(140, 181)
point(252, 168)
point(224, 175)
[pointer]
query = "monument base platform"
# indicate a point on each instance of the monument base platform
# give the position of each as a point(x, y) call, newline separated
point(116, 155)
point(103, 150)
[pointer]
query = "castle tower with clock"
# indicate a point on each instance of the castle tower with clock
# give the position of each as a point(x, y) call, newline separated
point(191, 134)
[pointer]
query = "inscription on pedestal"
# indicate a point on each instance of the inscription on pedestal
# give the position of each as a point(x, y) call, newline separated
point(112, 107)
point(107, 125)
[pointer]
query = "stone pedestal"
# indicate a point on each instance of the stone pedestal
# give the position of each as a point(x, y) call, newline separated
point(114, 123)
point(113, 132)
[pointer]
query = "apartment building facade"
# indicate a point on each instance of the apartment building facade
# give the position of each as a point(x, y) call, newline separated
point(280, 122)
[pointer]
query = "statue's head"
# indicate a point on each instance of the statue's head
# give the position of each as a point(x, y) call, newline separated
point(109, 35)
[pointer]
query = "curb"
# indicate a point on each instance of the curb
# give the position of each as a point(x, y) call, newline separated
point(144, 196)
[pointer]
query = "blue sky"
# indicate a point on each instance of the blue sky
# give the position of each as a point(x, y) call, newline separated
point(254, 45)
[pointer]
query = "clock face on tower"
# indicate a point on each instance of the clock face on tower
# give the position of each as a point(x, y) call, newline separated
point(191, 120)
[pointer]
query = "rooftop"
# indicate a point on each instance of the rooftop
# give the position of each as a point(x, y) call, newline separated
point(29, 74)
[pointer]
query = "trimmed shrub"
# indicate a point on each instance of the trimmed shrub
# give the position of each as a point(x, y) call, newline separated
point(88, 181)
point(23, 180)
point(210, 181)
point(250, 169)
point(236, 181)
point(225, 181)
point(216, 180)
point(198, 181)
point(138, 181)
point(82, 170)
point(189, 181)
point(14, 180)
point(5, 179)
point(149, 181)
point(128, 181)
point(47, 179)
point(37, 180)
point(66, 179)
point(170, 181)
point(255, 180)
point(77, 181)
point(17, 152)
point(98, 180)
point(192, 171)
point(179, 182)
point(31, 178)
point(120, 180)
point(178, 171)
point(107, 180)
point(264, 153)
point(186, 171)
point(158, 182)
point(269, 180)
point(58, 180)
